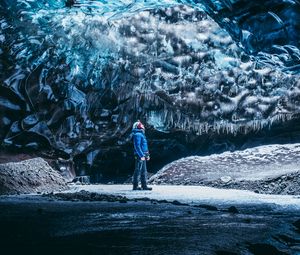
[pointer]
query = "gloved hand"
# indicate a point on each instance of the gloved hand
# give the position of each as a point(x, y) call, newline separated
point(147, 156)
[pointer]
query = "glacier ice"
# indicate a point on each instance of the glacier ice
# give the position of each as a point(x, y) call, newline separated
point(87, 71)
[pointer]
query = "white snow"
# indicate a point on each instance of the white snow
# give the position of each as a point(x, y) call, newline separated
point(267, 161)
point(195, 195)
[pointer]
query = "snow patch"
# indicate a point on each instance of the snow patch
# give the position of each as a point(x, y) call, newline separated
point(251, 164)
point(195, 195)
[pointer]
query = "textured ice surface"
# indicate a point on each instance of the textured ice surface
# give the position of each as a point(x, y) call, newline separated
point(75, 78)
point(176, 66)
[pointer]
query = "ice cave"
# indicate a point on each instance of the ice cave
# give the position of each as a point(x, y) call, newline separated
point(215, 84)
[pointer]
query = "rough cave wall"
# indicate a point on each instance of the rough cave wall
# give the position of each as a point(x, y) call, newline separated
point(73, 83)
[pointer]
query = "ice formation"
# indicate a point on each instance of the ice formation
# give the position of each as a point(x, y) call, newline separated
point(76, 74)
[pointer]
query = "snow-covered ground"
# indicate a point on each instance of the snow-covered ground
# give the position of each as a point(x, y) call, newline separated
point(87, 223)
point(256, 163)
point(195, 195)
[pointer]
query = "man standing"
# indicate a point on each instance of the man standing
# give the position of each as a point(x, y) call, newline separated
point(141, 154)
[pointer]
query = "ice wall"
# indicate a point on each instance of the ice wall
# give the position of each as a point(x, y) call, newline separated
point(76, 74)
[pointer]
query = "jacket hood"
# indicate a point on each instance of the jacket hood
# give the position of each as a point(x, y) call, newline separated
point(138, 130)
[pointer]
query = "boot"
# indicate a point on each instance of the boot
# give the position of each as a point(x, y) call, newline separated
point(147, 188)
point(136, 188)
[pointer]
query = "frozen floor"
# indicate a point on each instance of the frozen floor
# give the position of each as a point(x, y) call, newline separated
point(264, 224)
point(194, 194)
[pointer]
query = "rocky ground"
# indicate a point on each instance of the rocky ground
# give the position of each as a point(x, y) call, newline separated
point(30, 176)
point(287, 184)
point(170, 219)
point(270, 169)
point(91, 223)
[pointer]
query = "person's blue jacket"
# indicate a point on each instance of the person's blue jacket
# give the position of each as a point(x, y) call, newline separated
point(140, 143)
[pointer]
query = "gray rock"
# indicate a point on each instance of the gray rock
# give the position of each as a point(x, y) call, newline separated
point(30, 176)
point(225, 179)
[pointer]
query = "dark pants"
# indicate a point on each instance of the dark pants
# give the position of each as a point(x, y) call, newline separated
point(140, 171)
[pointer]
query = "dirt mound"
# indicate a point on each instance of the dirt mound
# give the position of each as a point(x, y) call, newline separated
point(282, 185)
point(268, 169)
point(29, 176)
